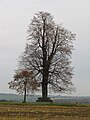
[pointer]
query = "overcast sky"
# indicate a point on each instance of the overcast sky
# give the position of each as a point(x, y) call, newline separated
point(15, 15)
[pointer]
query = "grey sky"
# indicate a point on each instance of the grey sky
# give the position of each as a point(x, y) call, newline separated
point(15, 15)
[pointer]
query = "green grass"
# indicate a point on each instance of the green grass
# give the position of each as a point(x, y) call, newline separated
point(45, 104)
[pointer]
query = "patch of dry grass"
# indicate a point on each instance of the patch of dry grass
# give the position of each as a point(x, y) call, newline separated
point(43, 112)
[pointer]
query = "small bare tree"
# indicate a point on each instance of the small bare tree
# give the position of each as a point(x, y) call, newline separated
point(24, 83)
point(48, 52)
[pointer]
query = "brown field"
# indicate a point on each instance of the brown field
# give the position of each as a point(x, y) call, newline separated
point(43, 112)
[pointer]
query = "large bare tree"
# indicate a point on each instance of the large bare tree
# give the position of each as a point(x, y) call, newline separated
point(48, 54)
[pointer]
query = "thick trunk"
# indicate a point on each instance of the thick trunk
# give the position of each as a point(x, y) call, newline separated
point(44, 97)
point(45, 85)
point(44, 91)
point(45, 66)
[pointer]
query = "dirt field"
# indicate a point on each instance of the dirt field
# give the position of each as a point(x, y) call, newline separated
point(43, 112)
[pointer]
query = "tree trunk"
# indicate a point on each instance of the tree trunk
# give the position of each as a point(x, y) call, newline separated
point(24, 101)
point(45, 67)
point(44, 91)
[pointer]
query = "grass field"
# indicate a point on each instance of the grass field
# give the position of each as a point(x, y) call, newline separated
point(14, 111)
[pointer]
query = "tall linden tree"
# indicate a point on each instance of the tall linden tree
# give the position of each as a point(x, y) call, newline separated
point(48, 54)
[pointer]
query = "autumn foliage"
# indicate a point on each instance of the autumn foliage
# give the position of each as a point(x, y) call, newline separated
point(24, 83)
